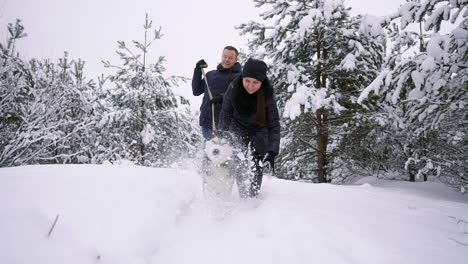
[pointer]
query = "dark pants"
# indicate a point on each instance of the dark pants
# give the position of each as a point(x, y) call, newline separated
point(249, 174)
point(206, 132)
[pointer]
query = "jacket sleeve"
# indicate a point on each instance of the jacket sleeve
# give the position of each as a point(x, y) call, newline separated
point(198, 84)
point(226, 115)
point(273, 125)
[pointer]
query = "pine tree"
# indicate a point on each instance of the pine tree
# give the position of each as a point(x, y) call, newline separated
point(44, 107)
point(143, 121)
point(423, 85)
point(321, 59)
point(14, 93)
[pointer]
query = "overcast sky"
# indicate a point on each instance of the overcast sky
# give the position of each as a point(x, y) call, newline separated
point(89, 29)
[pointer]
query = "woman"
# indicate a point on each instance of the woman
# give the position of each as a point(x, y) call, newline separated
point(250, 113)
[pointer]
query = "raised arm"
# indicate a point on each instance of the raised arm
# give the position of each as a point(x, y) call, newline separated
point(198, 84)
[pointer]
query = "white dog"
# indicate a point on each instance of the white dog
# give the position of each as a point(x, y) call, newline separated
point(217, 179)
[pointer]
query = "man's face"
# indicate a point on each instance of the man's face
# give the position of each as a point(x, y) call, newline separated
point(228, 59)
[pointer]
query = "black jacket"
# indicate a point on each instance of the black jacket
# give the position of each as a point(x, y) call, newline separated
point(239, 116)
point(218, 80)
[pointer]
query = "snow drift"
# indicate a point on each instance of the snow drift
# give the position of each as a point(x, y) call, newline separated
point(131, 214)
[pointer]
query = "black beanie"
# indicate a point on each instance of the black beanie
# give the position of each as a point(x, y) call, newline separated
point(255, 69)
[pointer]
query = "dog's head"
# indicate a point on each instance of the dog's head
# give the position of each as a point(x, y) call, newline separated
point(218, 151)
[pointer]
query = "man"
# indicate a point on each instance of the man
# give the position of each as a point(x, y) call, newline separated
point(250, 115)
point(218, 81)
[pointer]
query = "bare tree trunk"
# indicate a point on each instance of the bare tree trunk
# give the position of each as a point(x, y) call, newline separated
point(412, 175)
point(142, 145)
point(411, 166)
point(424, 163)
point(322, 127)
point(322, 142)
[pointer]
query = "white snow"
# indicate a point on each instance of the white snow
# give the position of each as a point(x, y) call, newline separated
point(349, 62)
point(312, 99)
point(406, 13)
point(383, 79)
point(428, 64)
point(440, 83)
point(293, 76)
point(147, 134)
point(133, 215)
point(315, 14)
point(460, 34)
point(309, 20)
point(437, 48)
point(443, 11)
point(304, 25)
point(418, 80)
point(371, 26)
point(293, 106)
point(328, 7)
point(400, 83)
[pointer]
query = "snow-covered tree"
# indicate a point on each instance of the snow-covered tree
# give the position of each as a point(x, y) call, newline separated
point(320, 59)
point(44, 106)
point(143, 121)
point(14, 92)
point(428, 69)
point(423, 86)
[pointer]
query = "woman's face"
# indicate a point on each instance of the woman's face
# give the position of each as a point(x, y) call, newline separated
point(251, 85)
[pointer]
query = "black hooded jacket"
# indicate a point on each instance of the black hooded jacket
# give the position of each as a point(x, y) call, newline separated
point(240, 114)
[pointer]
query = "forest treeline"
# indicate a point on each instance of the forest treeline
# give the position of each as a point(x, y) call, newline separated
point(359, 95)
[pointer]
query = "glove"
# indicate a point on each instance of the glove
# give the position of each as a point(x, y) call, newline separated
point(216, 99)
point(270, 158)
point(201, 64)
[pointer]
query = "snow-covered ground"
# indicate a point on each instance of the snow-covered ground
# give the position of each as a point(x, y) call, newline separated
point(135, 215)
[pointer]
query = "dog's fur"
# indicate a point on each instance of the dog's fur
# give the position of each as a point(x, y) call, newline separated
point(217, 179)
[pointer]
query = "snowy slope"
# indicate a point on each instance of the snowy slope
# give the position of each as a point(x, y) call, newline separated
point(130, 214)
